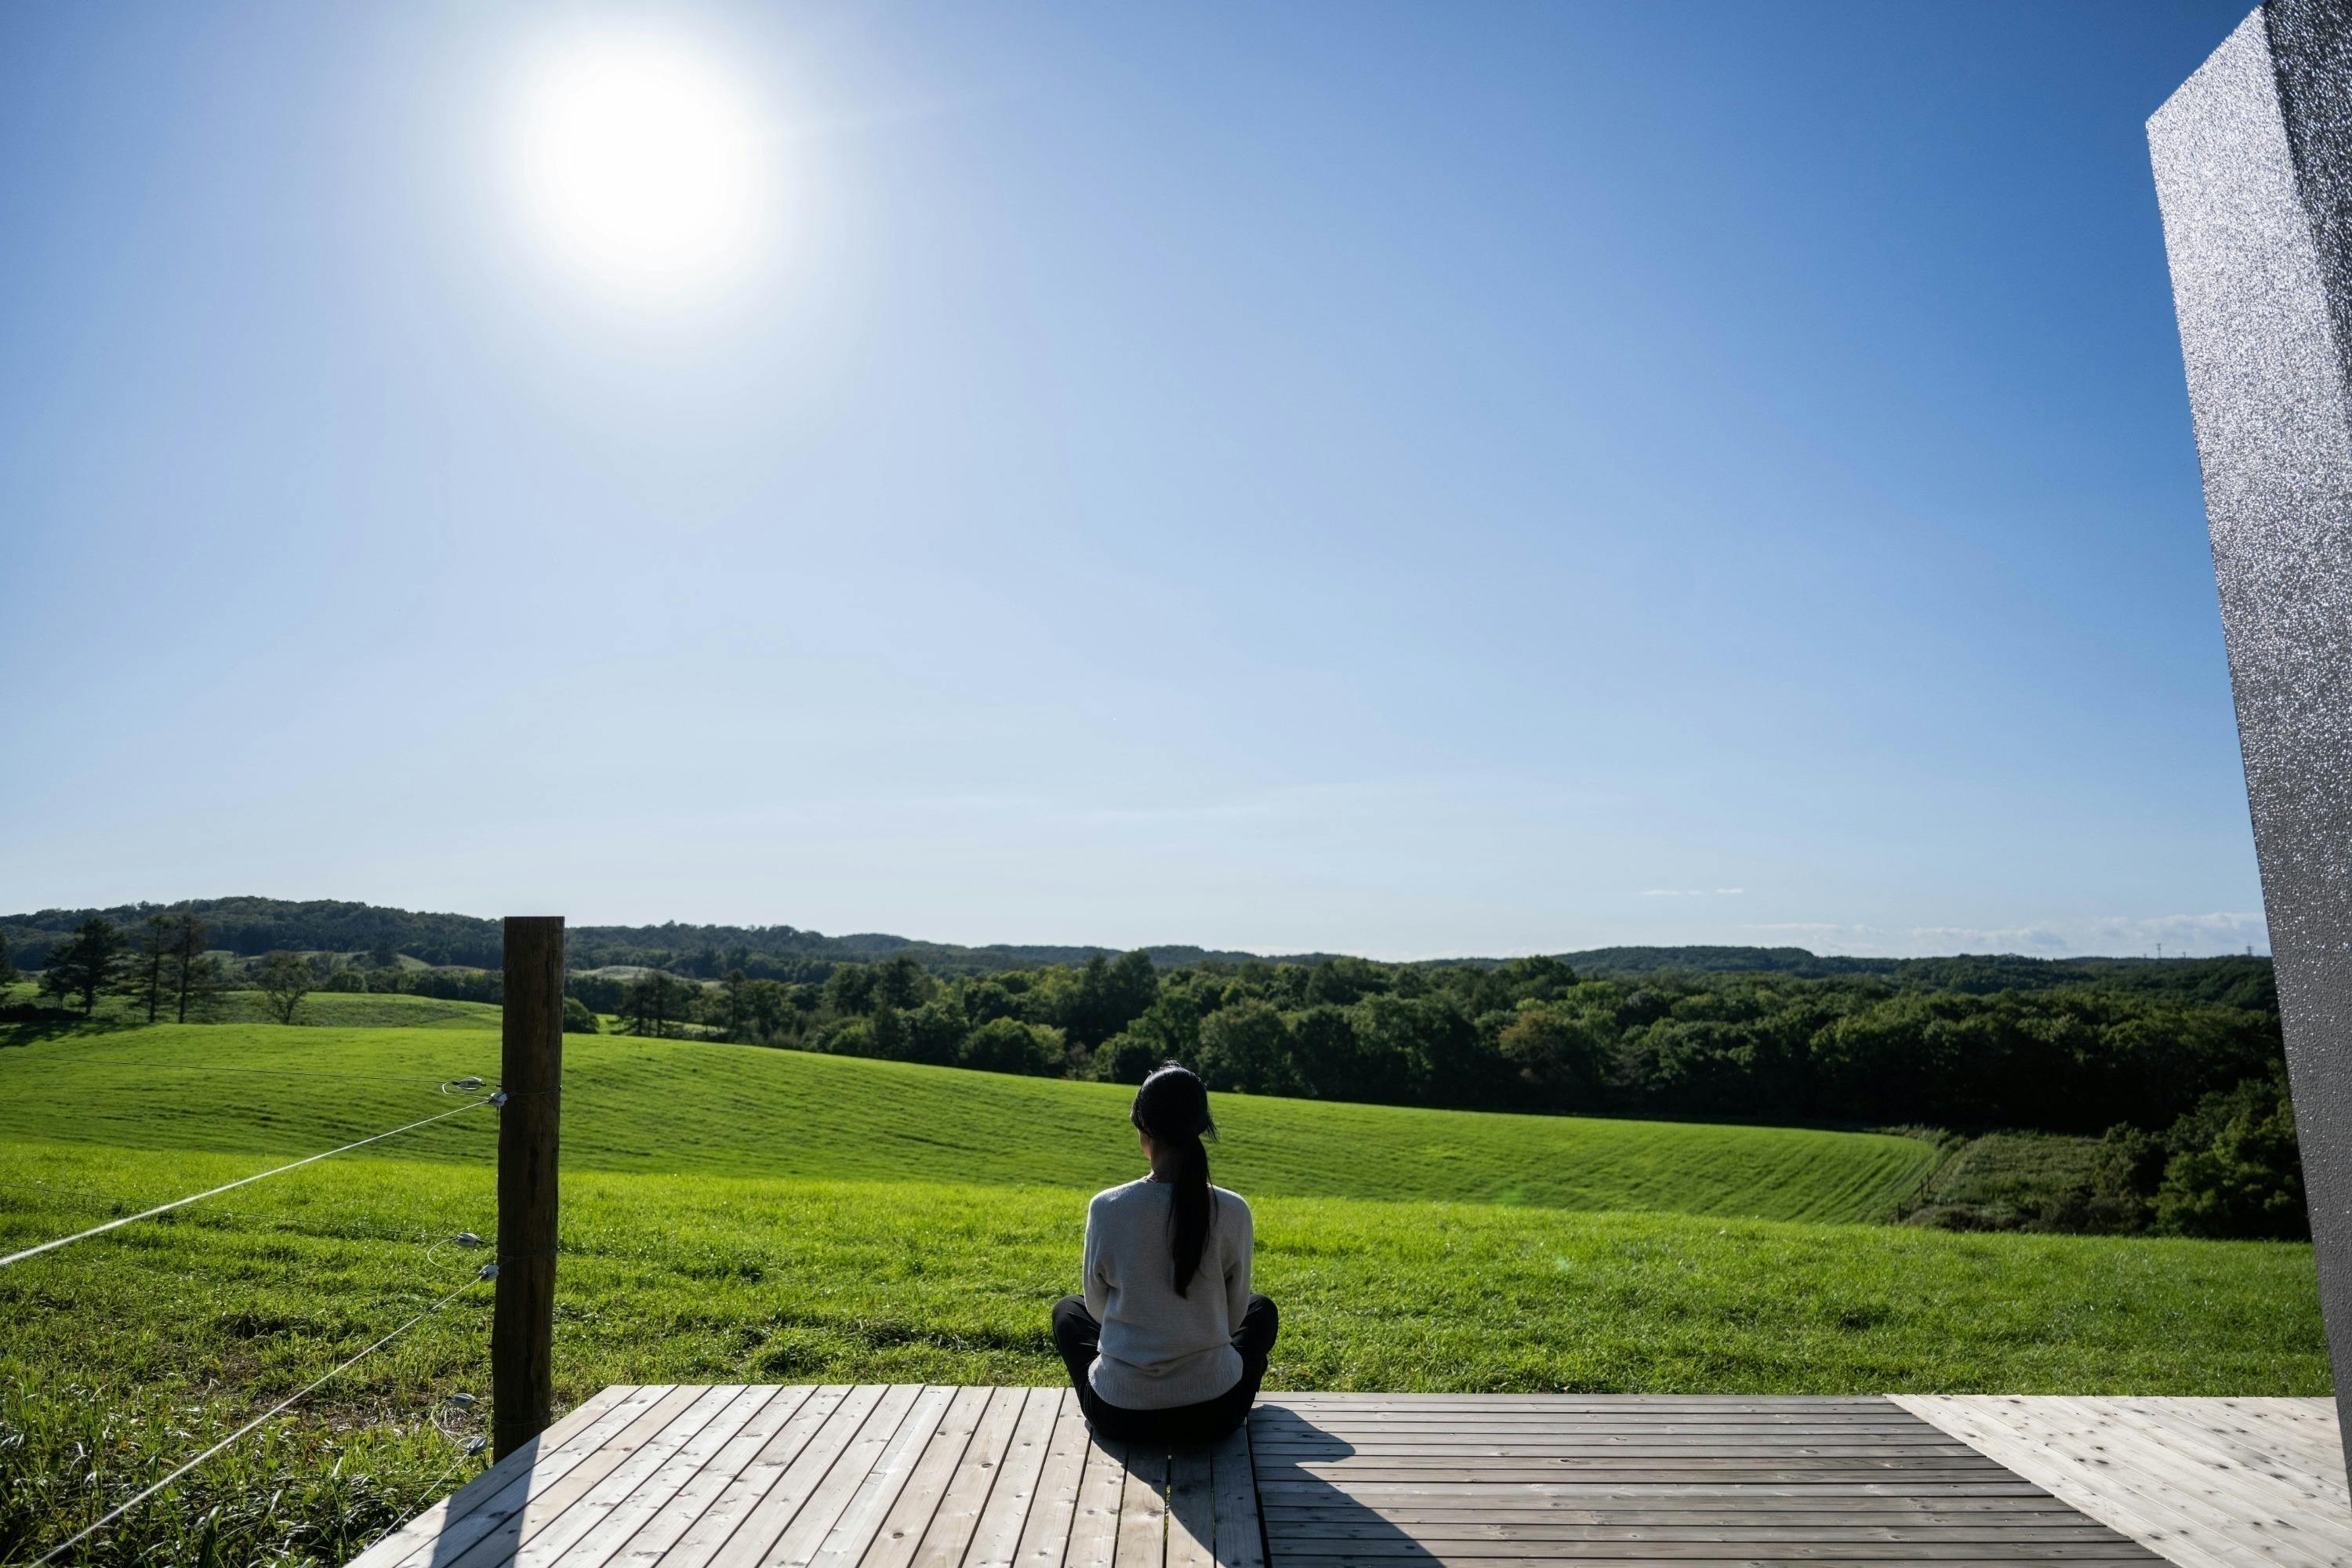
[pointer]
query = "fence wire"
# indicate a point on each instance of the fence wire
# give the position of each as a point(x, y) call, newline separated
point(487, 1271)
point(15, 1258)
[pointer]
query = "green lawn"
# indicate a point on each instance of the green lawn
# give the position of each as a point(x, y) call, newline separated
point(734, 1214)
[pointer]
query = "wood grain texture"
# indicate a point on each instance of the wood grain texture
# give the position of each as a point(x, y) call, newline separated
point(908, 1475)
point(1503, 1480)
point(531, 1076)
point(2202, 1482)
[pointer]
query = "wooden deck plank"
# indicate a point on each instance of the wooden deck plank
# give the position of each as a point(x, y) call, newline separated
point(2317, 1449)
point(1240, 1535)
point(1505, 1480)
point(547, 1542)
point(664, 1534)
point(903, 1527)
point(1570, 1451)
point(767, 1517)
point(2130, 1477)
point(1694, 1527)
point(422, 1531)
point(869, 1477)
point(575, 1422)
point(1614, 1432)
point(996, 1535)
point(489, 1533)
point(815, 1515)
point(1094, 1525)
point(1045, 1537)
point(1143, 1510)
point(1501, 1493)
point(1539, 1406)
point(716, 1524)
point(504, 1485)
point(2125, 1479)
point(1191, 1510)
point(1856, 1512)
point(737, 1404)
point(1685, 1533)
point(853, 1533)
point(967, 1490)
point(1648, 1473)
point(2237, 1456)
point(1402, 1549)
point(846, 1478)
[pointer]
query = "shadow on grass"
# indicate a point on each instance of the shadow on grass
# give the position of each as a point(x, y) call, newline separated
point(31, 1025)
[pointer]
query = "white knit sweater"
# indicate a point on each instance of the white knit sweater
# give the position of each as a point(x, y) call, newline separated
point(1161, 1350)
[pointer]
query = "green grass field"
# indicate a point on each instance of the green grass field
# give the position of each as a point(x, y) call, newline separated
point(350, 1010)
point(328, 1009)
point(735, 1214)
point(692, 1107)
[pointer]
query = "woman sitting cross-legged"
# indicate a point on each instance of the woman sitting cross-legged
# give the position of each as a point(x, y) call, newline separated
point(1168, 1345)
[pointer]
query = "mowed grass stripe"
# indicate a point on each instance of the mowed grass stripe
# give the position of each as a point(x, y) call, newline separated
point(696, 1107)
point(700, 1279)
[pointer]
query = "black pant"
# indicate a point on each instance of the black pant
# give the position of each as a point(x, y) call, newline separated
point(1079, 1339)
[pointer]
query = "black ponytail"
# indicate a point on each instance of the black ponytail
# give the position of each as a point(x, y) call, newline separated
point(1172, 1109)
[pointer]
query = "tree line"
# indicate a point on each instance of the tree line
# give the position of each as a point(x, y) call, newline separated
point(165, 969)
point(2187, 1095)
point(1528, 1034)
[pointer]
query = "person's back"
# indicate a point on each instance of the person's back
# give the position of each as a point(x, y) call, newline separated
point(1160, 1349)
point(1168, 1344)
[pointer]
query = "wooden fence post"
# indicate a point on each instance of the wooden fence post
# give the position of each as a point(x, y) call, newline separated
point(522, 1367)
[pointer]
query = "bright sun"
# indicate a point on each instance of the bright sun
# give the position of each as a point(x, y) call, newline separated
point(642, 164)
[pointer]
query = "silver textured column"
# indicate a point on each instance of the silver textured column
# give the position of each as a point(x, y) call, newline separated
point(2253, 169)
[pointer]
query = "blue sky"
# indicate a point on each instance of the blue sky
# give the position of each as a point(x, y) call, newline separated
point(1408, 479)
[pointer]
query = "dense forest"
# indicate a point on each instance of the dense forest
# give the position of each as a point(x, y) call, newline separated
point(2176, 1066)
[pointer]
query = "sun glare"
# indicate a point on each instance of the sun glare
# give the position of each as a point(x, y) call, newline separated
point(642, 164)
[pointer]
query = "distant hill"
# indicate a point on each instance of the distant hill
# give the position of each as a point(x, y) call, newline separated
point(2235, 981)
point(248, 926)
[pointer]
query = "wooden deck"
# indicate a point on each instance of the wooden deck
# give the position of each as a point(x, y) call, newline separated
point(2208, 1483)
point(908, 1475)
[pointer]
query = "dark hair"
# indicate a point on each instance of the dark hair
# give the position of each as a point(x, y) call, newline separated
point(1172, 1109)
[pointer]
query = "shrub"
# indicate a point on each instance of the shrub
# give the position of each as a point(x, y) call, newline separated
point(1125, 1058)
point(1008, 1044)
point(1246, 1047)
point(2236, 1170)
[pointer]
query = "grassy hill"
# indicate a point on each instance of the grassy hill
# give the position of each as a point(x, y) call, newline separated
point(363, 1010)
point(732, 1214)
point(688, 1106)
